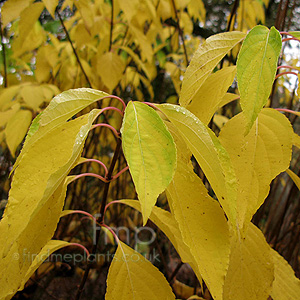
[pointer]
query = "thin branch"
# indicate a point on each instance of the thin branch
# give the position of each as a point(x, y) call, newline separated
point(111, 24)
point(3, 54)
point(100, 220)
point(180, 33)
point(74, 50)
point(284, 73)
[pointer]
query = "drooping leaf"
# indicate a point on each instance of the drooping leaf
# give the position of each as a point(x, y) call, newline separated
point(256, 69)
point(110, 68)
point(210, 154)
point(205, 59)
point(207, 99)
point(51, 6)
point(251, 270)
point(257, 158)
point(286, 285)
point(5, 116)
point(150, 153)
point(168, 225)
point(49, 248)
point(36, 198)
point(296, 140)
point(61, 108)
point(201, 221)
point(294, 177)
point(132, 276)
point(16, 129)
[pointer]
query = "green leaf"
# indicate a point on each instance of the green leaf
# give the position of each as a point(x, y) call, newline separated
point(132, 276)
point(256, 70)
point(150, 153)
point(295, 34)
point(209, 153)
point(205, 59)
point(257, 158)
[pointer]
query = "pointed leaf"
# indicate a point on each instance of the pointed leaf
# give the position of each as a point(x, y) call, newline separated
point(257, 158)
point(256, 69)
point(251, 271)
point(207, 100)
point(132, 276)
point(16, 129)
point(201, 221)
point(150, 153)
point(51, 6)
point(210, 154)
point(205, 59)
point(286, 285)
point(36, 197)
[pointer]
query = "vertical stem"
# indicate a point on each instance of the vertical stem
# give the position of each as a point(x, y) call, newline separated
point(100, 220)
point(4, 55)
point(180, 32)
point(74, 50)
point(111, 24)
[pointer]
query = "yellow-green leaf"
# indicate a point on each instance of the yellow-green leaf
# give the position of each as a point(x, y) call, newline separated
point(210, 154)
point(201, 221)
point(257, 158)
point(36, 197)
point(207, 99)
point(16, 129)
point(286, 285)
point(132, 276)
point(251, 270)
point(295, 34)
point(204, 61)
point(150, 153)
point(256, 69)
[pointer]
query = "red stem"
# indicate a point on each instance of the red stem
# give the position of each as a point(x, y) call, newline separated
point(115, 97)
point(119, 173)
point(288, 111)
point(90, 174)
point(287, 67)
point(283, 73)
point(108, 126)
point(81, 246)
point(97, 161)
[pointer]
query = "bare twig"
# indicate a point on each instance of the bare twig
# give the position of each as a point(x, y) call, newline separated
point(74, 50)
point(111, 24)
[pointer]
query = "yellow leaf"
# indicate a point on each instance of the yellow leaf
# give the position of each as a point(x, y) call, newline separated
point(210, 154)
point(182, 290)
point(12, 10)
point(129, 8)
point(132, 276)
point(7, 95)
point(286, 285)
point(256, 70)
point(110, 67)
point(228, 97)
point(207, 99)
point(220, 120)
point(36, 197)
point(204, 61)
point(150, 153)
point(51, 6)
point(5, 116)
point(33, 96)
point(251, 270)
point(294, 177)
point(16, 129)
point(86, 12)
point(197, 10)
point(48, 249)
point(257, 158)
point(29, 16)
point(201, 221)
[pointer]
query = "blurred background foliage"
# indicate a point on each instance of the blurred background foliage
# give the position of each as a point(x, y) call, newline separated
point(137, 50)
